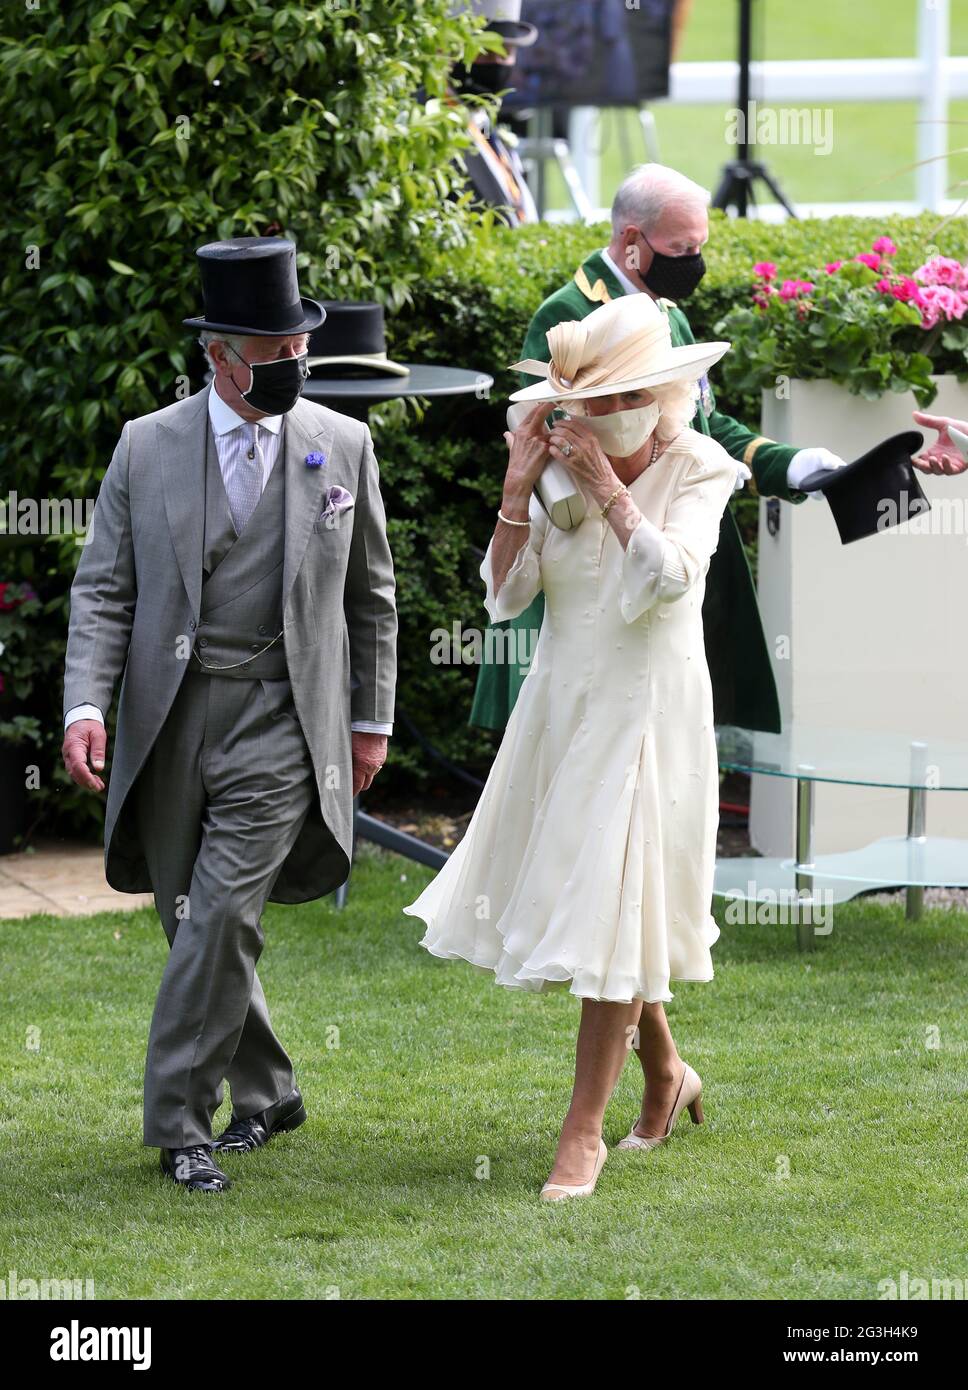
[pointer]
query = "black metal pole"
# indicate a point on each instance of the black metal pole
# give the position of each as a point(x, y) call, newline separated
point(745, 52)
point(738, 178)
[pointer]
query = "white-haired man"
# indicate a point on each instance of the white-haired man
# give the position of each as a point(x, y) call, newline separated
point(659, 227)
point(238, 577)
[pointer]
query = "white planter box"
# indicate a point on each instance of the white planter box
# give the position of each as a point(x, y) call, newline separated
point(871, 635)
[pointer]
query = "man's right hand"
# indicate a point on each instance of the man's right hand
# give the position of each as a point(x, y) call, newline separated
point(85, 741)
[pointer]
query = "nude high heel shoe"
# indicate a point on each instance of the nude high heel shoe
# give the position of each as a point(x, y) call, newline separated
point(560, 1192)
point(690, 1090)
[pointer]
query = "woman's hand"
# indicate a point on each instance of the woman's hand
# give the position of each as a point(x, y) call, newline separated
point(528, 446)
point(943, 456)
point(577, 448)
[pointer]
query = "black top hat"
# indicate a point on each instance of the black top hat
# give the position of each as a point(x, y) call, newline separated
point(876, 491)
point(503, 17)
point(352, 342)
point(249, 286)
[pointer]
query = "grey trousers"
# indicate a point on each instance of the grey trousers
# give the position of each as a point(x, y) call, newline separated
point(220, 802)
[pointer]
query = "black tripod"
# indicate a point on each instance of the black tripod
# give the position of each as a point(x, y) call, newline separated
point(736, 186)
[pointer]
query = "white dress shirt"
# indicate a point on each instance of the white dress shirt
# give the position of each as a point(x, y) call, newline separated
point(620, 274)
point(231, 442)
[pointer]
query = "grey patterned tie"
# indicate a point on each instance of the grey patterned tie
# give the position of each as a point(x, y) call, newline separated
point(245, 480)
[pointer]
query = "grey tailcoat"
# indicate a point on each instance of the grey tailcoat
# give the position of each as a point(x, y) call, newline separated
point(135, 603)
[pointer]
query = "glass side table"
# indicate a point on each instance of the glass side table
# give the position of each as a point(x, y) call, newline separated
point(857, 758)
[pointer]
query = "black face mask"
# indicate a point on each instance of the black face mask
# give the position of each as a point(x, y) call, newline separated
point(481, 79)
point(673, 277)
point(276, 386)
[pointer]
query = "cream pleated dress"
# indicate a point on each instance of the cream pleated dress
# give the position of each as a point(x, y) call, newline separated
point(589, 859)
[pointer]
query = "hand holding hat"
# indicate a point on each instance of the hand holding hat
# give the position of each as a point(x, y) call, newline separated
point(877, 491)
point(806, 463)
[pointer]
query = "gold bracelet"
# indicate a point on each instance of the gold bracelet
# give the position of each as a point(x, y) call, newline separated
point(510, 521)
point(620, 489)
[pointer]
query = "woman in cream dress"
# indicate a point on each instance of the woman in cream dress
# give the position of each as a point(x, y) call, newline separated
point(588, 862)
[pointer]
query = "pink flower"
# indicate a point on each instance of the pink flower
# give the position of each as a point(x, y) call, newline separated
point(869, 259)
point(765, 270)
point(885, 246)
point(904, 289)
point(7, 605)
point(831, 266)
point(943, 270)
point(762, 295)
point(793, 289)
point(940, 301)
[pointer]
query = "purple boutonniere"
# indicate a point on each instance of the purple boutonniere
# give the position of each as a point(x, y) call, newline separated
point(315, 460)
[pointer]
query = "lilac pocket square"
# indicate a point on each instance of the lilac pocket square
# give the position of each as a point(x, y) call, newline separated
point(337, 500)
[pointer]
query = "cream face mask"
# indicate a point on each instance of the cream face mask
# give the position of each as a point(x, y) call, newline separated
point(622, 433)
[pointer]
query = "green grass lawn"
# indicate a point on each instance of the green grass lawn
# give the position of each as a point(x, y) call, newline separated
point(872, 143)
point(784, 29)
point(832, 1157)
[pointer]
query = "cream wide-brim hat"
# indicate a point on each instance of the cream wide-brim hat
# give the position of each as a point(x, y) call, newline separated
point(626, 345)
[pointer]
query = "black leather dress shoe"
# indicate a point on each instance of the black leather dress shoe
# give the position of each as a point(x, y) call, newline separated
point(242, 1136)
point(194, 1169)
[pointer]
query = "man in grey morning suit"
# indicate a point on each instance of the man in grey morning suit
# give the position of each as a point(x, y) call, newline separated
point(237, 573)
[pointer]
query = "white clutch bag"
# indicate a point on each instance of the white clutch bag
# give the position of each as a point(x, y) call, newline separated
point(556, 489)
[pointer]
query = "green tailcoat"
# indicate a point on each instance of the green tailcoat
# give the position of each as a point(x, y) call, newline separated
point(744, 690)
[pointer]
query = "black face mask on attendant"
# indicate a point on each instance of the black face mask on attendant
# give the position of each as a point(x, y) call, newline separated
point(276, 386)
point(481, 79)
point(673, 277)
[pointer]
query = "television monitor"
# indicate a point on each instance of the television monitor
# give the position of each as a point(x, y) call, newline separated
point(593, 53)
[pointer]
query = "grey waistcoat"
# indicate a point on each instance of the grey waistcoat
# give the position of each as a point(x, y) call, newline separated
point(241, 605)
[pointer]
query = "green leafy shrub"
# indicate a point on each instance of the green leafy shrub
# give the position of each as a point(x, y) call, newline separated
point(20, 672)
